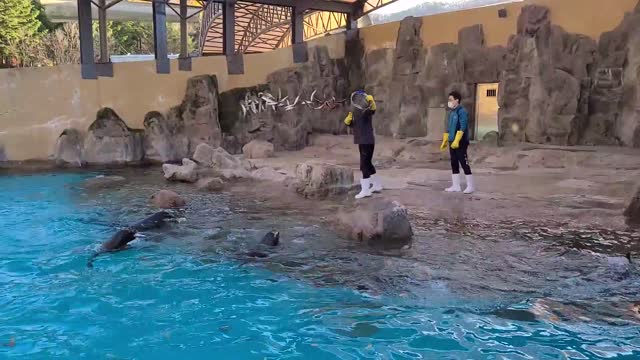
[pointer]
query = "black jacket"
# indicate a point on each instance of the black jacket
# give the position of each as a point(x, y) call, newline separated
point(362, 126)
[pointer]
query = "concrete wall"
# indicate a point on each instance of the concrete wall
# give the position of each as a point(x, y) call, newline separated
point(37, 104)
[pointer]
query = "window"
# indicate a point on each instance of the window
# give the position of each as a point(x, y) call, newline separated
point(492, 92)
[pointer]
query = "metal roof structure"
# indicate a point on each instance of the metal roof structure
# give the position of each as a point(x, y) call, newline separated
point(266, 25)
point(229, 27)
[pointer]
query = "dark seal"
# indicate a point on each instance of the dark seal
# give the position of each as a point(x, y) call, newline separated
point(118, 241)
point(122, 238)
point(154, 221)
point(270, 239)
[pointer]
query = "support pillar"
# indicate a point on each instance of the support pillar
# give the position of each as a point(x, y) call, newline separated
point(163, 66)
point(102, 27)
point(184, 60)
point(354, 15)
point(235, 62)
point(299, 47)
point(229, 30)
point(184, 51)
point(87, 59)
point(297, 25)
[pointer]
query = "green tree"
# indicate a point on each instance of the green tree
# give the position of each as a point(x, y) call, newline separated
point(19, 26)
point(131, 37)
point(45, 24)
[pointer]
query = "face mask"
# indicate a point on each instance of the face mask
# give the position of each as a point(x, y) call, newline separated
point(451, 104)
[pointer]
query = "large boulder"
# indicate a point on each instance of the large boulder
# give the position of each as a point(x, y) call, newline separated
point(377, 222)
point(258, 149)
point(320, 180)
point(632, 213)
point(187, 172)
point(111, 141)
point(164, 139)
point(167, 199)
point(221, 162)
point(69, 148)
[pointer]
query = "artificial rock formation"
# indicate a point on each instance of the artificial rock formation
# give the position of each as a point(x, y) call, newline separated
point(69, 148)
point(377, 222)
point(320, 180)
point(177, 134)
point(164, 139)
point(545, 79)
point(316, 91)
point(614, 101)
point(110, 141)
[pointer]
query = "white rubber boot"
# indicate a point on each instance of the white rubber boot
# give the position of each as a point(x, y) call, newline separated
point(470, 185)
point(455, 187)
point(376, 184)
point(366, 189)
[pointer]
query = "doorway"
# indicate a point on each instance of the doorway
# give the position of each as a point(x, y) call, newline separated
point(486, 109)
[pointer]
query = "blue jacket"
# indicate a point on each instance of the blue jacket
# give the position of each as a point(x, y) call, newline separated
point(458, 121)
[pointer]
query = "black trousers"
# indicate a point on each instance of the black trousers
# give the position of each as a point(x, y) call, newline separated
point(366, 157)
point(459, 158)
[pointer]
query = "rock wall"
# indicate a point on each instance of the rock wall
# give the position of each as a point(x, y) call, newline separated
point(555, 87)
point(294, 102)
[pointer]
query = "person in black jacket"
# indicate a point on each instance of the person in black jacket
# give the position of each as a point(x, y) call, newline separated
point(360, 120)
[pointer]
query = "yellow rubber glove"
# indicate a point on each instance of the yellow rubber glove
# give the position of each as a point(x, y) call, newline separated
point(456, 142)
point(372, 103)
point(349, 119)
point(445, 140)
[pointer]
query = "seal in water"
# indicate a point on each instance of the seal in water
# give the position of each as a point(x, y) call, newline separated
point(270, 239)
point(123, 237)
point(154, 221)
point(117, 242)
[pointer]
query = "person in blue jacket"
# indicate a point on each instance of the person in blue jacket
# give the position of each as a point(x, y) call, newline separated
point(457, 138)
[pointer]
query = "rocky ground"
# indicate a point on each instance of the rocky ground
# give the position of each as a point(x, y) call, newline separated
point(569, 186)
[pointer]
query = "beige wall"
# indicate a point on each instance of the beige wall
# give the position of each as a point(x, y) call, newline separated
point(37, 104)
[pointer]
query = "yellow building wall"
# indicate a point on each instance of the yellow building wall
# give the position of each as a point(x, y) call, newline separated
point(36, 104)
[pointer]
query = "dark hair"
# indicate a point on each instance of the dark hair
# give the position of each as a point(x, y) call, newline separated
point(456, 95)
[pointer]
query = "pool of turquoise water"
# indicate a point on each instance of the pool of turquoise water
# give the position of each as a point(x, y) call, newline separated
point(174, 299)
